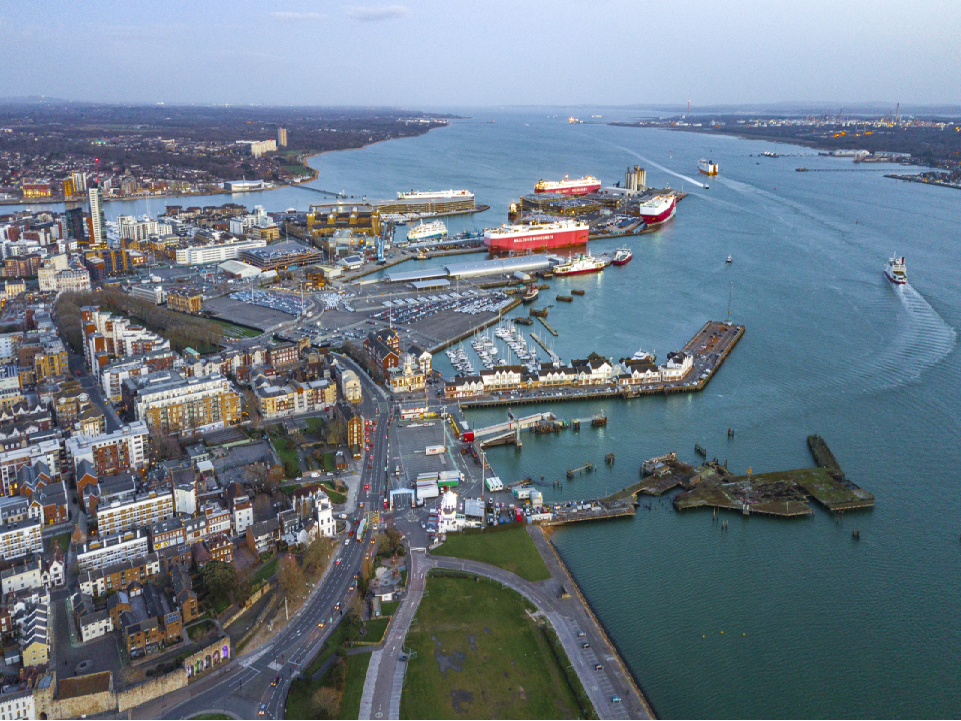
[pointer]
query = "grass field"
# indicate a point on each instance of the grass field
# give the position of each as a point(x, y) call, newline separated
point(376, 628)
point(478, 655)
point(388, 608)
point(315, 425)
point(354, 685)
point(298, 704)
point(210, 717)
point(61, 541)
point(198, 630)
point(236, 331)
point(508, 547)
point(288, 456)
point(335, 496)
point(263, 575)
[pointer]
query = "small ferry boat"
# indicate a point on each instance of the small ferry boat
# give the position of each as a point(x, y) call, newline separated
point(582, 264)
point(643, 356)
point(623, 256)
point(896, 271)
point(707, 167)
point(530, 295)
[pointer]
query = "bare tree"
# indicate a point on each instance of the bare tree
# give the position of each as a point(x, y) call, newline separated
point(291, 578)
point(325, 702)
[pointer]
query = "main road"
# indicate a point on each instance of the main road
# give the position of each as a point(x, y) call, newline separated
point(245, 685)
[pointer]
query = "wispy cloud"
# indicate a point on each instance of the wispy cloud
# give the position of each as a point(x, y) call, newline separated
point(376, 14)
point(288, 17)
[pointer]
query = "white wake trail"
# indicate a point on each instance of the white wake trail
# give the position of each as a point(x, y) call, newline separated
point(924, 340)
point(637, 155)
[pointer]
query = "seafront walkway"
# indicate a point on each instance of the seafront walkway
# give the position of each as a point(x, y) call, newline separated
point(569, 617)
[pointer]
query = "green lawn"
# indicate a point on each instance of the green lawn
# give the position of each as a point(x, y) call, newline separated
point(508, 547)
point(354, 685)
point(263, 575)
point(376, 628)
point(299, 698)
point(335, 496)
point(315, 425)
point(236, 331)
point(61, 540)
point(210, 717)
point(288, 456)
point(198, 630)
point(478, 655)
point(389, 608)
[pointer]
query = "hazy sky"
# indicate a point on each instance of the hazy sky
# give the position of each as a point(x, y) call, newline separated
point(447, 53)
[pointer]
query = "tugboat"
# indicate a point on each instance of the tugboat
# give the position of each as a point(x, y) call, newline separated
point(623, 256)
point(530, 295)
point(896, 271)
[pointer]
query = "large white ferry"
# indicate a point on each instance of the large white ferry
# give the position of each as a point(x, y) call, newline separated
point(427, 231)
point(896, 271)
point(436, 195)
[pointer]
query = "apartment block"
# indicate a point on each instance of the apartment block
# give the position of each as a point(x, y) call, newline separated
point(188, 405)
point(111, 453)
point(19, 538)
point(143, 510)
point(109, 550)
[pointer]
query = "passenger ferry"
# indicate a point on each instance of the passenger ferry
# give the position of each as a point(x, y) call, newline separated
point(427, 231)
point(896, 271)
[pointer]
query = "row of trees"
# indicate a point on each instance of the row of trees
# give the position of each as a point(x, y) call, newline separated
point(183, 331)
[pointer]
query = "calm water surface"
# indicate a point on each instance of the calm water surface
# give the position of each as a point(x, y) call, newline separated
point(814, 623)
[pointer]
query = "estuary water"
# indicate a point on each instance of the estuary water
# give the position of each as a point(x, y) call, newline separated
point(771, 618)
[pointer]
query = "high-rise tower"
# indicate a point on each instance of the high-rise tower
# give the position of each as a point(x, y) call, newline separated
point(98, 223)
point(282, 137)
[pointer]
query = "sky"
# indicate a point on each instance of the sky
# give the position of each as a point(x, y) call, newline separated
point(436, 54)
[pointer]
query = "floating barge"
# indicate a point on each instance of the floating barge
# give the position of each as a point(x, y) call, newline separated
point(577, 291)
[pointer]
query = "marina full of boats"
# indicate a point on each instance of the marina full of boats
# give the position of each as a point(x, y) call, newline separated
point(489, 355)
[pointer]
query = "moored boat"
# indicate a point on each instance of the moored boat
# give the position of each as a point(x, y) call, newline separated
point(537, 236)
point(568, 186)
point(658, 209)
point(623, 256)
point(427, 231)
point(530, 295)
point(896, 271)
point(582, 264)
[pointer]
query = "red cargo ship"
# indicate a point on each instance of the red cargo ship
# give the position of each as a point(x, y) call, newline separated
point(536, 236)
point(578, 186)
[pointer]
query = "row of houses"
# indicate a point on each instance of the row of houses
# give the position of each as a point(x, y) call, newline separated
point(592, 371)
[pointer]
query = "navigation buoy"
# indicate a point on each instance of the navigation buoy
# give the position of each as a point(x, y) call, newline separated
point(722, 632)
